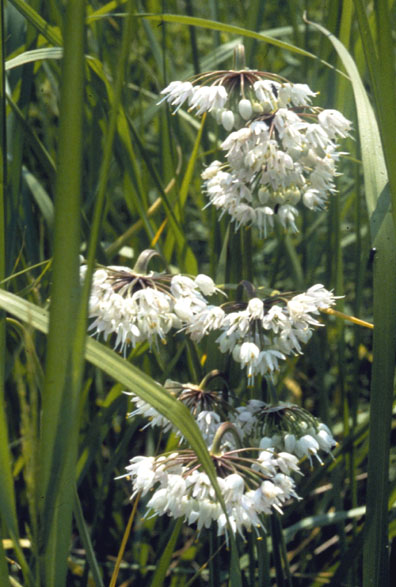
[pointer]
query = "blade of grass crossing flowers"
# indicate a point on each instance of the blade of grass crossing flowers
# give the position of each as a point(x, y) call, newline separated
point(141, 384)
point(375, 559)
point(58, 443)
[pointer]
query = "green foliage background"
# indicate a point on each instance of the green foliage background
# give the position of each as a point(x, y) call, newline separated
point(89, 164)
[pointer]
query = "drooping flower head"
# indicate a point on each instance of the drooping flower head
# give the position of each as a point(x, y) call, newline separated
point(238, 95)
point(283, 150)
point(252, 482)
point(284, 427)
point(138, 305)
point(262, 332)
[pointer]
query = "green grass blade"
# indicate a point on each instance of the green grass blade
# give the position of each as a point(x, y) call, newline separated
point(86, 541)
point(51, 33)
point(382, 76)
point(375, 558)
point(188, 261)
point(31, 137)
point(34, 55)
point(164, 561)
point(190, 264)
point(40, 196)
point(226, 28)
point(58, 443)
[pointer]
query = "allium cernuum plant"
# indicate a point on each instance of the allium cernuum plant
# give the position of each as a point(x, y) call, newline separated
point(281, 152)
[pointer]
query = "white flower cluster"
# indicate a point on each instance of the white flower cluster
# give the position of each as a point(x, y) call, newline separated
point(181, 489)
point(284, 427)
point(259, 336)
point(283, 151)
point(139, 308)
point(279, 435)
point(274, 163)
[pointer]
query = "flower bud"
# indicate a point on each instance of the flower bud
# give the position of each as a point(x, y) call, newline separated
point(245, 109)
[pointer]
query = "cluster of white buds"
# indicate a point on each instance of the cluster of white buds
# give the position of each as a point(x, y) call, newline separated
point(283, 151)
point(263, 332)
point(235, 97)
point(284, 427)
point(138, 307)
point(250, 486)
point(275, 162)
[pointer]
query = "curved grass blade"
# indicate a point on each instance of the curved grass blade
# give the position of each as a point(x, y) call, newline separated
point(126, 374)
point(143, 386)
point(34, 55)
point(235, 30)
point(375, 559)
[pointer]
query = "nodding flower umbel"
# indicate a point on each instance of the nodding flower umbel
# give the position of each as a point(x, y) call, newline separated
point(283, 150)
point(252, 482)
